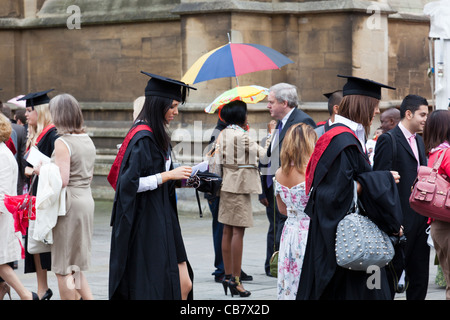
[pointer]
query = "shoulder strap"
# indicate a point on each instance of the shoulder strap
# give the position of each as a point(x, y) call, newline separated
point(438, 161)
point(199, 204)
point(394, 148)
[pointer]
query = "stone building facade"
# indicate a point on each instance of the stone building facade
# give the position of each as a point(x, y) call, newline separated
point(100, 62)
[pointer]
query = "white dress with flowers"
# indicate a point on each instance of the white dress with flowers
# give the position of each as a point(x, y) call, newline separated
point(293, 240)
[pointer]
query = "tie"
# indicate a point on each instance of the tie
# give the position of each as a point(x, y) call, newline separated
point(276, 135)
point(413, 145)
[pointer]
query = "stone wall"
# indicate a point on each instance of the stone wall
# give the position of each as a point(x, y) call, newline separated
point(101, 61)
point(409, 58)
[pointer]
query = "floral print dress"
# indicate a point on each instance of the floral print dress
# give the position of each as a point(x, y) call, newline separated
point(293, 239)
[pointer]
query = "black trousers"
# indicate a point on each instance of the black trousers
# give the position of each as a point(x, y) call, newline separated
point(414, 258)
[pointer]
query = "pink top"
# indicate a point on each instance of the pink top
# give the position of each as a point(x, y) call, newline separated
point(445, 165)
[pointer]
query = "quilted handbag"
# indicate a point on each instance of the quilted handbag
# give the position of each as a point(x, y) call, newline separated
point(360, 243)
point(430, 194)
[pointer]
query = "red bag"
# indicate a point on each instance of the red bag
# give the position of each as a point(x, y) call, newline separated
point(430, 194)
point(23, 208)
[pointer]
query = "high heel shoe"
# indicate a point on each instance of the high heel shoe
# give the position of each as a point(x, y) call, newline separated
point(225, 282)
point(5, 289)
point(47, 295)
point(35, 296)
point(233, 285)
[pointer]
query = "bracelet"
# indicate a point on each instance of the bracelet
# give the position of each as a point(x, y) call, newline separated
point(159, 179)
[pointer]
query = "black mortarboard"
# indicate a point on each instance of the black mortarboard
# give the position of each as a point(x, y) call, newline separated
point(329, 94)
point(36, 98)
point(166, 87)
point(364, 87)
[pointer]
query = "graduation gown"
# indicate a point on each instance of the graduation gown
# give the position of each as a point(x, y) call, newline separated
point(146, 242)
point(46, 144)
point(331, 182)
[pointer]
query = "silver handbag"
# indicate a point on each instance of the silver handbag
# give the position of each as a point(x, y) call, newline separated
point(359, 242)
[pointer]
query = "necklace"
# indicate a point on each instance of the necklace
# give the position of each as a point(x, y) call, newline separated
point(235, 127)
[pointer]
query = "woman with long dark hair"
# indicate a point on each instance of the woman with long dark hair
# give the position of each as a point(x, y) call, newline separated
point(436, 137)
point(148, 259)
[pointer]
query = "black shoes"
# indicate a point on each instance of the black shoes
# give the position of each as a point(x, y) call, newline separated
point(244, 277)
point(233, 284)
point(226, 282)
point(234, 290)
point(47, 295)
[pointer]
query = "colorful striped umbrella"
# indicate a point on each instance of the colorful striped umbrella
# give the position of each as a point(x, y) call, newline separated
point(248, 94)
point(232, 60)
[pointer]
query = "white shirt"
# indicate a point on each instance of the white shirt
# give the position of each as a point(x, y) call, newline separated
point(283, 121)
point(150, 182)
point(357, 128)
point(286, 117)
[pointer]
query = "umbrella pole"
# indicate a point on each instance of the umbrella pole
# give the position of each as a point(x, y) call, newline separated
point(237, 82)
point(430, 48)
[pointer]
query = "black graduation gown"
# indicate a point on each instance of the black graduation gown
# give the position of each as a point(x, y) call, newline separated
point(46, 145)
point(146, 242)
point(342, 162)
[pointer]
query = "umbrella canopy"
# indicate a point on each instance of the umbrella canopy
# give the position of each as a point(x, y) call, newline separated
point(17, 102)
point(248, 94)
point(234, 59)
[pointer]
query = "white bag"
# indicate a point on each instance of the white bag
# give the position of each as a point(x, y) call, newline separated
point(34, 246)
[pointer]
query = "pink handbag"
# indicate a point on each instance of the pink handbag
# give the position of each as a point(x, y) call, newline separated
point(430, 194)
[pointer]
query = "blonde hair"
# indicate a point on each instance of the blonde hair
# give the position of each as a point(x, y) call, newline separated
point(44, 119)
point(5, 128)
point(66, 114)
point(298, 145)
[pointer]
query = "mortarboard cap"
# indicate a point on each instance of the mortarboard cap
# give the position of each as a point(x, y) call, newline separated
point(36, 98)
point(166, 87)
point(329, 94)
point(364, 87)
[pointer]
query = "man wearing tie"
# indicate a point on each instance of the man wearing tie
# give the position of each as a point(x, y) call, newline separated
point(409, 150)
point(283, 107)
